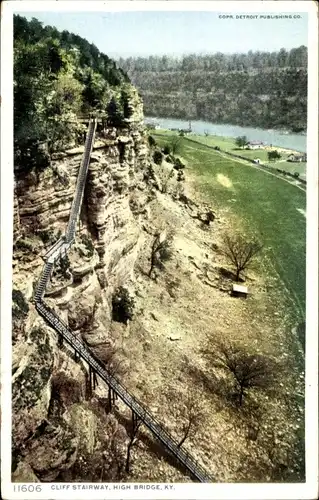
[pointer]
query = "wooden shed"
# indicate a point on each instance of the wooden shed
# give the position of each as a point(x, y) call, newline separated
point(239, 291)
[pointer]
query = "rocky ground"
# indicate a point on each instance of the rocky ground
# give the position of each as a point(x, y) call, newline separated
point(64, 432)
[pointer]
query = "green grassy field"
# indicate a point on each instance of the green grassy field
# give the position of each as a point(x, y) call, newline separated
point(228, 144)
point(265, 204)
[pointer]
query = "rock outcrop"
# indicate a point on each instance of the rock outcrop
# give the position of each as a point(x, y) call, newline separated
point(107, 246)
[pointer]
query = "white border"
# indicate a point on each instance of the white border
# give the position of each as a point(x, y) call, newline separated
point(308, 490)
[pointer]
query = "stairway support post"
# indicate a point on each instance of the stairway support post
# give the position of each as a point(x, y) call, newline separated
point(110, 398)
point(90, 376)
point(133, 420)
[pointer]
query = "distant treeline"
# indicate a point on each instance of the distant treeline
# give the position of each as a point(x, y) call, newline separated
point(261, 89)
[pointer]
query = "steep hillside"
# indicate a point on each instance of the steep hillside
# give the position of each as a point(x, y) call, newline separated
point(255, 89)
point(167, 353)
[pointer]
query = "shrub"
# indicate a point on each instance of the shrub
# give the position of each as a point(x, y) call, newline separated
point(167, 149)
point(46, 235)
point(21, 306)
point(178, 164)
point(28, 155)
point(180, 176)
point(161, 251)
point(88, 243)
point(64, 266)
point(170, 159)
point(65, 390)
point(122, 306)
point(24, 244)
point(158, 157)
point(296, 174)
point(151, 141)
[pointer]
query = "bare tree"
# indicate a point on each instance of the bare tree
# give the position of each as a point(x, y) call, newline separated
point(240, 251)
point(194, 415)
point(117, 452)
point(161, 250)
point(134, 435)
point(165, 178)
point(248, 370)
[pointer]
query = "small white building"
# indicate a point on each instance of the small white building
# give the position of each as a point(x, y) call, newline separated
point(255, 145)
point(297, 157)
point(239, 291)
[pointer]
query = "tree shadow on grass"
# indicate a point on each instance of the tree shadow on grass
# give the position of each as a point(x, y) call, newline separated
point(230, 275)
point(211, 384)
point(226, 273)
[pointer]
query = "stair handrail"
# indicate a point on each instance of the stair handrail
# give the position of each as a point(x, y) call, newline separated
point(84, 351)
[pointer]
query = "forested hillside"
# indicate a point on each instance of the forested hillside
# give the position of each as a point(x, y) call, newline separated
point(57, 77)
point(260, 89)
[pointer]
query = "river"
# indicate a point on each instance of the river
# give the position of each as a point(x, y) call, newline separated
point(297, 142)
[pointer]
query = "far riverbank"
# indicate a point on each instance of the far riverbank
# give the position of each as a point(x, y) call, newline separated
point(288, 141)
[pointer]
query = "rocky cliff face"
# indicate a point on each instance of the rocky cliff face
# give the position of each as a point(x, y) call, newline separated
point(54, 423)
point(62, 431)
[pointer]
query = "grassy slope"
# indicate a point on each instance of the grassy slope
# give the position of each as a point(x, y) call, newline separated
point(265, 204)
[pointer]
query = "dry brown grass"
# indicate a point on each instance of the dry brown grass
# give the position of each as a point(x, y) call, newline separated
point(167, 342)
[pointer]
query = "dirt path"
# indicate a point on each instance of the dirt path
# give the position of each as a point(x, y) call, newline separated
point(292, 183)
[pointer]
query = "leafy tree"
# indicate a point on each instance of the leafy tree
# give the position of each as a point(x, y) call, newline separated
point(273, 155)
point(115, 114)
point(241, 142)
point(240, 251)
point(95, 89)
point(59, 110)
point(56, 76)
